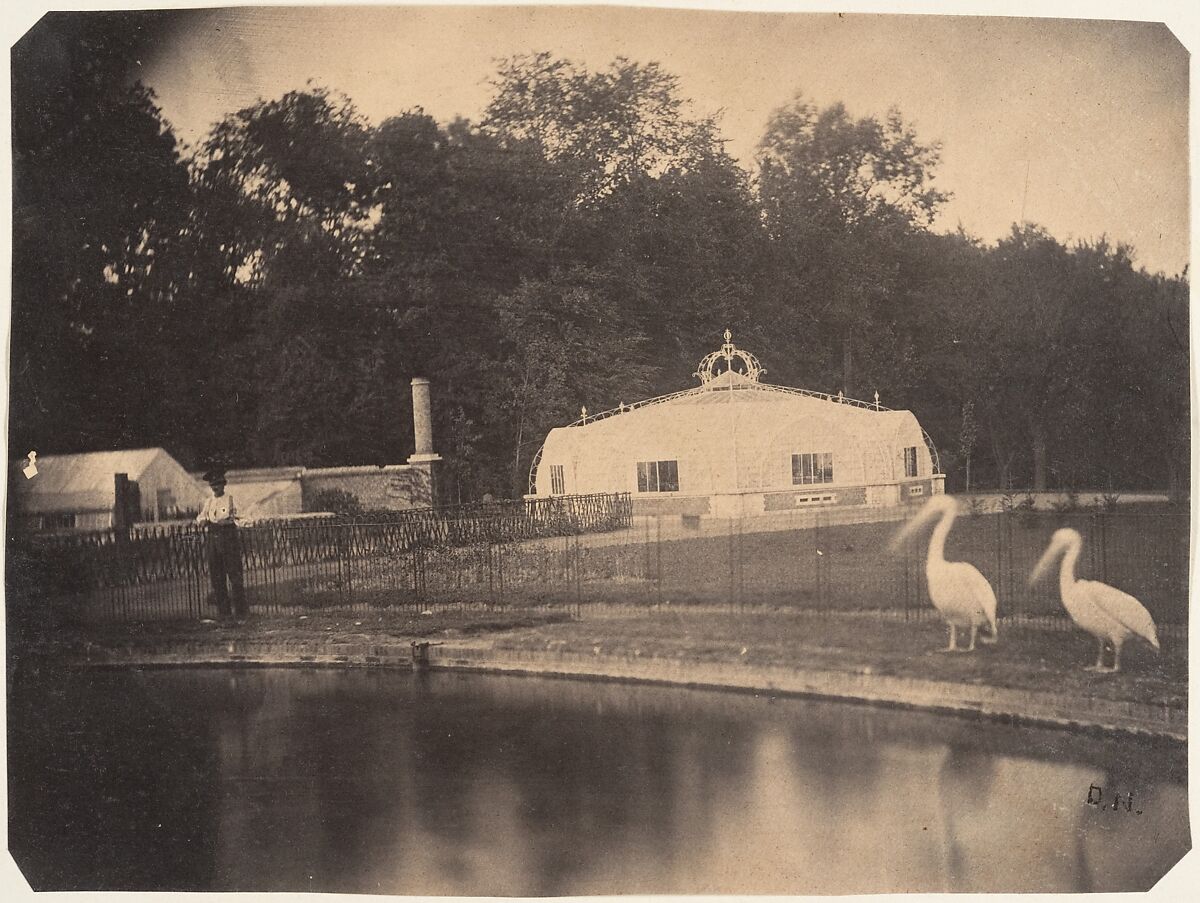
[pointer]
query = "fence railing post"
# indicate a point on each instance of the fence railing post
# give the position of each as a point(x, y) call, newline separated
point(578, 563)
point(817, 556)
point(1103, 547)
point(1001, 522)
point(908, 604)
point(658, 558)
point(500, 570)
point(1014, 581)
point(729, 561)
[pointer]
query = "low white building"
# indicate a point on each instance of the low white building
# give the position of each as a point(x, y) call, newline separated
point(734, 446)
point(79, 492)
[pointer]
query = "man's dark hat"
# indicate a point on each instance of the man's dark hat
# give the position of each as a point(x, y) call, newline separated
point(214, 475)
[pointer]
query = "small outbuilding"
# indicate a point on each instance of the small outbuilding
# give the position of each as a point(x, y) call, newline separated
point(735, 446)
point(80, 492)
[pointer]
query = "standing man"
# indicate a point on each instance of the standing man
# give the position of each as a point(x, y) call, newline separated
point(224, 549)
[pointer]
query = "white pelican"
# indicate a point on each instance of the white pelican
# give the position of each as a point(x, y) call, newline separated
point(957, 589)
point(1103, 611)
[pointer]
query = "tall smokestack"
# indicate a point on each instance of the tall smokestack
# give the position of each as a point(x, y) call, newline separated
point(422, 417)
point(423, 460)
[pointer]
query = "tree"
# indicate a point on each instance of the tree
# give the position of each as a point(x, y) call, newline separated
point(687, 245)
point(566, 346)
point(1068, 356)
point(460, 219)
point(605, 129)
point(847, 172)
point(100, 196)
point(659, 205)
point(298, 172)
point(968, 433)
point(283, 204)
point(840, 198)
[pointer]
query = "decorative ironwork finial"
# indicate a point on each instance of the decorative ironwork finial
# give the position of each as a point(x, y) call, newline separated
point(877, 400)
point(707, 371)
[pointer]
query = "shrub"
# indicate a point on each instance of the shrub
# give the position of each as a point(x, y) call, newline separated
point(1068, 503)
point(339, 501)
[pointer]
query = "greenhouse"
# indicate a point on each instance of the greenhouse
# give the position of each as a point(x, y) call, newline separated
point(734, 446)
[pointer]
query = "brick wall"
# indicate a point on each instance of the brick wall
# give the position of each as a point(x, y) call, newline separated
point(813, 497)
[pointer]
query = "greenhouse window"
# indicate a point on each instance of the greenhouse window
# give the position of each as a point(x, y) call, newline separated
point(812, 467)
point(658, 476)
point(910, 461)
point(557, 481)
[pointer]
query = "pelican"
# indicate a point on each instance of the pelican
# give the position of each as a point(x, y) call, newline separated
point(1103, 611)
point(957, 589)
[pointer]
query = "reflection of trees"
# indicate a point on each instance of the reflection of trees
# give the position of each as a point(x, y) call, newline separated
point(109, 789)
point(839, 741)
point(833, 749)
point(385, 782)
point(602, 771)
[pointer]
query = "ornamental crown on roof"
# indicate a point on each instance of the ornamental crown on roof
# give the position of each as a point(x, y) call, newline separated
point(710, 368)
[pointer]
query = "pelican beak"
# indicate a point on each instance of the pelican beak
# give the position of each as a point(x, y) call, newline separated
point(927, 513)
point(1044, 562)
point(902, 535)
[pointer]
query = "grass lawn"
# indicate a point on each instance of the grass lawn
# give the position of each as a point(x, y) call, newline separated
point(851, 567)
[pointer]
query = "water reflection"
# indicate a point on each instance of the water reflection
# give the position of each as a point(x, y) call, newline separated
point(463, 784)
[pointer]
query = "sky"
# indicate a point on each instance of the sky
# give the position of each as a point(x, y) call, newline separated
point(1079, 126)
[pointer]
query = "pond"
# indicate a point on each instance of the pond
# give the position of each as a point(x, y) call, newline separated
point(449, 783)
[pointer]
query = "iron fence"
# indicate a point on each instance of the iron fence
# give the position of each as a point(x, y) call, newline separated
point(827, 565)
point(161, 572)
point(589, 554)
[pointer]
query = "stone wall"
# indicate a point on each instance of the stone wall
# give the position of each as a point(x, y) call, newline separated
point(263, 492)
point(278, 492)
point(394, 487)
point(644, 506)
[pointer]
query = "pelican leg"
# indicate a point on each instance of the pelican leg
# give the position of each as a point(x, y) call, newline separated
point(1099, 666)
point(1116, 659)
point(953, 647)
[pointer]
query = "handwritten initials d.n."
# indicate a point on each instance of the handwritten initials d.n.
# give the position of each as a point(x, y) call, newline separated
point(1095, 797)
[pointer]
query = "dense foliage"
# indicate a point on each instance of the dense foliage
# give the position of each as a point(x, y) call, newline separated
point(265, 298)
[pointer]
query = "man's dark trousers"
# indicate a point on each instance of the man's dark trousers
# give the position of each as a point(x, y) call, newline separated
point(225, 562)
